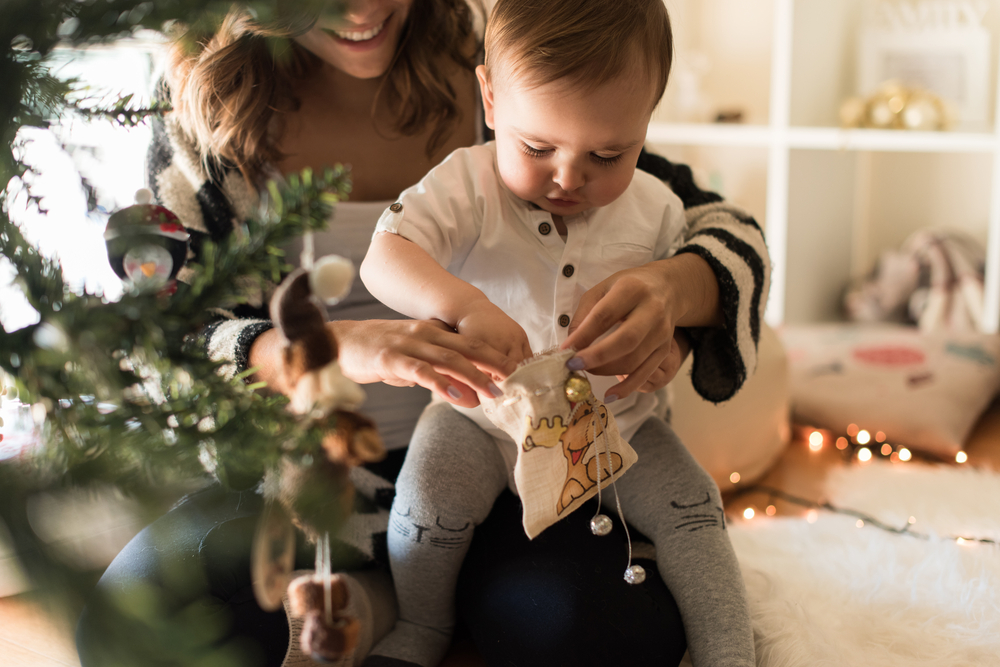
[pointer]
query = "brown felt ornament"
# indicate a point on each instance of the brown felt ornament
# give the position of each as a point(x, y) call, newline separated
point(327, 634)
point(316, 493)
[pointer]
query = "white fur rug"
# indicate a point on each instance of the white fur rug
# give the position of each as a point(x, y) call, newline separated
point(830, 593)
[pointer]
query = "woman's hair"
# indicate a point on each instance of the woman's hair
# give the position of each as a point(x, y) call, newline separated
point(591, 42)
point(229, 89)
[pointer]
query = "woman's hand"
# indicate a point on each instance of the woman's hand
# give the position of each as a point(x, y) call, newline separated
point(420, 352)
point(645, 304)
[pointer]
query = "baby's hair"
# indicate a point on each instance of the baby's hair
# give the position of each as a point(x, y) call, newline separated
point(590, 42)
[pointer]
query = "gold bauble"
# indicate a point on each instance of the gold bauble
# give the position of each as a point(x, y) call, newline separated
point(577, 388)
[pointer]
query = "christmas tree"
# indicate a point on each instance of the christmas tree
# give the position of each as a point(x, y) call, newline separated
point(124, 394)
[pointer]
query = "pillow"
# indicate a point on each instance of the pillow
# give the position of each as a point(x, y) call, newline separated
point(923, 390)
point(747, 433)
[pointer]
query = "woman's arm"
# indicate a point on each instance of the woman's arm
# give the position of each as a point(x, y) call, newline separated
point(716, 287)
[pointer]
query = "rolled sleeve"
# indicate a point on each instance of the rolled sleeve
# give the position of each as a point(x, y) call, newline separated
point(442, 213)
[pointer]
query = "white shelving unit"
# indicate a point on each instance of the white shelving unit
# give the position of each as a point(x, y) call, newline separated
point(809, 158)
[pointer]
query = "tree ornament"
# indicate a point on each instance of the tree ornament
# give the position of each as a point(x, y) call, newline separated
point(147, 245)
point(327, 635)
point(315, 492)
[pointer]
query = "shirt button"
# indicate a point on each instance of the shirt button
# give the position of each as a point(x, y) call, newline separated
point(568, 270)
point(544, 229)
point(564, 321)
point(396, 208)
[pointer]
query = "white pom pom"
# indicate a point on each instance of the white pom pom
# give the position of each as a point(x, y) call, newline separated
point(330, 278)
point(143, 196)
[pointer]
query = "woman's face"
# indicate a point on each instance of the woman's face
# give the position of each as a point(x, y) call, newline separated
point(358, 37)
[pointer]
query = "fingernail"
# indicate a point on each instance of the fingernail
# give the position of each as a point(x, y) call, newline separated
point(576, 364)
point(495, 390)
point(454, 393)
point(610, 398)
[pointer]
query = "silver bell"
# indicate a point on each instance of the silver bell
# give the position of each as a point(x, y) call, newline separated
point(636, 574)
point(601, 525)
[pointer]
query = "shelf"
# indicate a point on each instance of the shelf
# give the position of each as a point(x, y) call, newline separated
point(821, 138)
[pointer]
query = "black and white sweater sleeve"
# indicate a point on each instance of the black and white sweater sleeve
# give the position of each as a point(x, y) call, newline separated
point(209, 199)
point(732, 243)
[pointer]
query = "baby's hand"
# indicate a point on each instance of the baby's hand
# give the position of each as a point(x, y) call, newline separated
point(484, 321)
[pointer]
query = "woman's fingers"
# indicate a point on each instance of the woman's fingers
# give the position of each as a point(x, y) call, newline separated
point(635, 321)
point(427, 353)
point(640, 377)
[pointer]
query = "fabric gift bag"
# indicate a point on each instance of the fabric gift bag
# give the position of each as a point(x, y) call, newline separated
point(561, 431)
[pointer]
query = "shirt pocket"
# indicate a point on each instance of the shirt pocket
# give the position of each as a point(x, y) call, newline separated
point(625, 255)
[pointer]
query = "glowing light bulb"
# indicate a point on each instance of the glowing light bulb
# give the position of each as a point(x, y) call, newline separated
point(961, 541)
point(904, 454)
point(771, 510)
point(852, 430)
point(734, 478)
point(886, 449)
point(841, 442)
point(748, 513)
point(812, 515)
point(815, 441)
point(961, 457)
point(864, 454)
point(879, 436)
point(860, 524)
point(864, 437)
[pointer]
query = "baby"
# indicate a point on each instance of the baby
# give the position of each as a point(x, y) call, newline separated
point(501, 241)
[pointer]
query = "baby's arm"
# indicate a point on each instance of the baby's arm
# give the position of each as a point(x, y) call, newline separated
point(400, 274)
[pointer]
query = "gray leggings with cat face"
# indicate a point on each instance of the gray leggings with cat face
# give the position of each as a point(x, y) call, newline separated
point(454, 473)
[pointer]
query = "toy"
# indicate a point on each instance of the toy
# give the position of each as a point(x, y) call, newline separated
point(562, 431)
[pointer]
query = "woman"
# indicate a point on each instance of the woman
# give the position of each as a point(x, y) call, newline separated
point(387, 86)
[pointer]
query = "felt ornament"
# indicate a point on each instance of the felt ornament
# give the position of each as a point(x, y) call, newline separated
point(147, 245)
point(320, 598)
point(319, 391)
point(568, 444)
point(315, 497)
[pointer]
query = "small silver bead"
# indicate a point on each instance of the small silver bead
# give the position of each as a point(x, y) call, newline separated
point(635, 574)
point(601, 525)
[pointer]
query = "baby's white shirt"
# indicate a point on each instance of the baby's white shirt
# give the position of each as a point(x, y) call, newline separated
point(463, 216)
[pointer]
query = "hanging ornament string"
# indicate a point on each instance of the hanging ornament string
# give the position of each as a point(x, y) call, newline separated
point(308, 255)
point(600, 524)
point(324, 568)
point(634, 574)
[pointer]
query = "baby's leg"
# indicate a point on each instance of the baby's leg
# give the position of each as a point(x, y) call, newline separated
point(452, 475)
point(674, 502)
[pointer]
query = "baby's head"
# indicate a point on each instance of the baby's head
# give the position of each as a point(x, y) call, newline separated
point(569, 87)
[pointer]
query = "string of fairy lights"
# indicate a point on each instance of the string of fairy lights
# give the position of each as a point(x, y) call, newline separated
point(860, 445)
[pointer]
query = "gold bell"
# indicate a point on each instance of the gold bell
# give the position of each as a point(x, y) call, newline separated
point(577, 388)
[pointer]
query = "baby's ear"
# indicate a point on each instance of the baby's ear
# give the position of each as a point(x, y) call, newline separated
point(486, 88)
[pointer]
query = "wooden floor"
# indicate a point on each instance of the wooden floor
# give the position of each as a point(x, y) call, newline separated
point(30, 638)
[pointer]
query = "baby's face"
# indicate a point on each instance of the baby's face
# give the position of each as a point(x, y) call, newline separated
point(565, 149)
